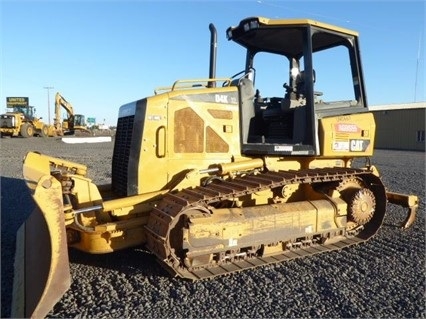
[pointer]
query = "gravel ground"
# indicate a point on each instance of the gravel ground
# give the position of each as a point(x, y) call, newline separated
point(383, 278)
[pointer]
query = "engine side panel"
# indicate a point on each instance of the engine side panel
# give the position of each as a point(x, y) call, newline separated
point(347, 135)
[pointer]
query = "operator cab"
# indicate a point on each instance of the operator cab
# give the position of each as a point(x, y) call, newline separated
point(27, 111)
point(79, 120)
point(279, 105)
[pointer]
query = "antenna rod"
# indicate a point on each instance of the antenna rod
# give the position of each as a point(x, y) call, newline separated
point(417, 67)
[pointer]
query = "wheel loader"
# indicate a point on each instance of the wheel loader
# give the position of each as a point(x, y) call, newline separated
point(21, 121)
point(219, 175)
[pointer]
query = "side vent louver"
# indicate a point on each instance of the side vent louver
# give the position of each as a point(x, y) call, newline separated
point(120, 159)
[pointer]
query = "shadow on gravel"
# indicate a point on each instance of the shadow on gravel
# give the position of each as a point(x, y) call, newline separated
point(391, 225)
point(16, 206)
point(130, 261)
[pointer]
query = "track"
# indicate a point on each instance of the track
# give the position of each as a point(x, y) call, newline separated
point(166, 217)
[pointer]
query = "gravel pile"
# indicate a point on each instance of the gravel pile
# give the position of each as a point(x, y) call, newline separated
point(383, 278)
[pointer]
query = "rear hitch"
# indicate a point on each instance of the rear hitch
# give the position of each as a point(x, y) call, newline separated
point(408, 201)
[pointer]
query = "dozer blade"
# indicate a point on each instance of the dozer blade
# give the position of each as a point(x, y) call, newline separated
point(408, 201)
point(42, 273)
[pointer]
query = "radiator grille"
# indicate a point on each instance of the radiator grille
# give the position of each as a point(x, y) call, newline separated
point(7, 121)
point(120, 159)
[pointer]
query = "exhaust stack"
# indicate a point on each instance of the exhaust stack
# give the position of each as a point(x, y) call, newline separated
point(213, 54)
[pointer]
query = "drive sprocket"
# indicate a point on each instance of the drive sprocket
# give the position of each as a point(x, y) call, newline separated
point(361, 201)
point(349, 184)
point(361, 206)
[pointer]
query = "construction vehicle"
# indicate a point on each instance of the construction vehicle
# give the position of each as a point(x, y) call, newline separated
point(21, 121)
point(73, 123)
point(213, 178)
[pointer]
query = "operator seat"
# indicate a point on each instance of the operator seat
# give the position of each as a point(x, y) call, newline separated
point(246, 94)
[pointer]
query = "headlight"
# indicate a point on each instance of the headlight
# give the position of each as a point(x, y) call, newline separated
point(254, 24)
point(229, 34)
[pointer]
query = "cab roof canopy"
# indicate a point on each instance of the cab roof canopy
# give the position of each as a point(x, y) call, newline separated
point(285, 36)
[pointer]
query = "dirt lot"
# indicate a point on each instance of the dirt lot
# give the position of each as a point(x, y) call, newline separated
point(382, 278)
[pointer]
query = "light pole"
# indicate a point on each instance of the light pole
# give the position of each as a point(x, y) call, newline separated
point(48, 88)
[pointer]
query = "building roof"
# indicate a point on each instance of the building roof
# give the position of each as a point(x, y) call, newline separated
point(400, 106)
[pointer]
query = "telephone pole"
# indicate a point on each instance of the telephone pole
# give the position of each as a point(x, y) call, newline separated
point(48, 88)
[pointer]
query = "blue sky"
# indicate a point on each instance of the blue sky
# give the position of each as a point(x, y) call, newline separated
point(102, 54)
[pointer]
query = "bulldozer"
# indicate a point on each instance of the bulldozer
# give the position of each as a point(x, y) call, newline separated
point(215, 178)
point(21, 121)
point(73, 124)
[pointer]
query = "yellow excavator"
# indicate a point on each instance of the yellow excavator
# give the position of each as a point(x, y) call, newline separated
point(73, 124)
point(213, 177)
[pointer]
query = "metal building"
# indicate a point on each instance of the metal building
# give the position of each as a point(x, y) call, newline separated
point(400, 126)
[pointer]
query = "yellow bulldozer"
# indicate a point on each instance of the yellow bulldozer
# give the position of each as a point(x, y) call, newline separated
point(213, 177)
